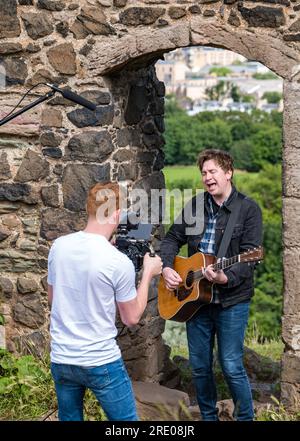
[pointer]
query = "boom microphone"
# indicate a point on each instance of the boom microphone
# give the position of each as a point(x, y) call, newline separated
point(66, 93)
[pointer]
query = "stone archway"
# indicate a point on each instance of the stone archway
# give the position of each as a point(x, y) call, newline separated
point(49, 157)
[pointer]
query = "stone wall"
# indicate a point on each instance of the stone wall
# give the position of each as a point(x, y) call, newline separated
point(106, 50)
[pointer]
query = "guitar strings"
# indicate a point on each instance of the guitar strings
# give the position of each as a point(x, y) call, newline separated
point(222, 264)
point(195, 275)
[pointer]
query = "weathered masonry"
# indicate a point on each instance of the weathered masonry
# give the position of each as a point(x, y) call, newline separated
point(106, 50)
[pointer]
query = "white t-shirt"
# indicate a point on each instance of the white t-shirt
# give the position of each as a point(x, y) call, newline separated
point(88, 276)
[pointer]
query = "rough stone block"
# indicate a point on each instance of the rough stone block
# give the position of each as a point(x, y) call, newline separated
point(15, 70)
point(9, 22)
point(52, 118)
point(290, 368)
point(32, 168)
point(63, 58)
point(56, 223)
point(16, 262)
point(5, 172)
point(18, 192)
point(10, 48)
point(290, 395)
point(291, 120)
point(50, 139)
point(159, 403)
point(291, 211)
point(52, 152)
point(291, 329)
point(51, 5)
point(77, 180)
point(102, 116)
point(93, 21)
point(4, 233)
point(262, 16)
point(6, 288)
point(140, 15)
point(50, 196)
point(89, 146)
point(2, 337)
point(29, 311)
point(26, 285)
point(291, 300)
point(176, 12)
point(37, 25)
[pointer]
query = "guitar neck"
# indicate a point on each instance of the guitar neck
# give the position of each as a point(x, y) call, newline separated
point(225, 263)
point(254, 255)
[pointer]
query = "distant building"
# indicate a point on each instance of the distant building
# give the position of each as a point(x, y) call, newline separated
point(172, 73)
point(199, 57)
point(245, 70)
point(189, 85)
point(257, 87)
point(195, 88)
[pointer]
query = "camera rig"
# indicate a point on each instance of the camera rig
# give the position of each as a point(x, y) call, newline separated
point(134, 240)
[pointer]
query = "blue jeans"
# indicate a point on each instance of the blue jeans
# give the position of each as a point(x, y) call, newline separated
point(229, 325)
point(110, 383)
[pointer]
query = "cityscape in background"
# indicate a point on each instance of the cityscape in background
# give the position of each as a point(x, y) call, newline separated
point(210, 79)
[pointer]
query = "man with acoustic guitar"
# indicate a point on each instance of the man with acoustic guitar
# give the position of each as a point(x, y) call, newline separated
point(225, 314)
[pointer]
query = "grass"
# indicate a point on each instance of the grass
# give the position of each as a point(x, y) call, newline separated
point(272, 348)
point(27, 390)
point(182, 172)
point(26, 387)
point(277, 412)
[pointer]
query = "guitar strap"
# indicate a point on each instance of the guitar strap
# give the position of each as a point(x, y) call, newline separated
point(229, 227)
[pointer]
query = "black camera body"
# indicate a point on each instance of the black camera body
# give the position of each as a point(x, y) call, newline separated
point(134, 241)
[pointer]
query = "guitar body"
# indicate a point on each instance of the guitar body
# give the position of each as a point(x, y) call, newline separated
point(181, 304)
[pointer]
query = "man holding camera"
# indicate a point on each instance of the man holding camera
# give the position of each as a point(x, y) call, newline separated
point(87, 277)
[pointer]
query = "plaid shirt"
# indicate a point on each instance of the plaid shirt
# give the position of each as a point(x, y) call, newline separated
point(207, 244)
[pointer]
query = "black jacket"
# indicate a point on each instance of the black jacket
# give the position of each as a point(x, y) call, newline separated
point(247, 234)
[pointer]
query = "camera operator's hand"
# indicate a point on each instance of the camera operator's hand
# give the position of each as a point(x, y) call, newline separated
point(152, 265)
point(172, 278)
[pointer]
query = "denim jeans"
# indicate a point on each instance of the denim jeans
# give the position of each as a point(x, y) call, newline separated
point(229, 325)
point(109, 382)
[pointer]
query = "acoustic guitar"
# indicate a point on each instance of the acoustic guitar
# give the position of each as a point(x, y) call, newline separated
point(195, 290)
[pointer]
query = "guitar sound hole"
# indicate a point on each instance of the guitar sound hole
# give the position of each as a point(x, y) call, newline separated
point(189, 279)
point(183, 293)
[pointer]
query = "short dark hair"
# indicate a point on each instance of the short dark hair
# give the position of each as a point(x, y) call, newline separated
point(222, 158)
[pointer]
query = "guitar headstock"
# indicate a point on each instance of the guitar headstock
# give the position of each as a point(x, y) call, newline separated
point(253, 255)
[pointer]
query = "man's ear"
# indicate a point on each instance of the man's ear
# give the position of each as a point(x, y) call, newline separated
point(229, 174)
point(117, 216)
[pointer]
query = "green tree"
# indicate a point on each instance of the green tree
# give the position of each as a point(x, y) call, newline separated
point(220, 71)
point(266, 307)
point(267, 146)
point(235, 93)
point(272, 97)
point(242, 152)
point(265, 76)
point(218, 92)
point(172, 106)
point(200, 136)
